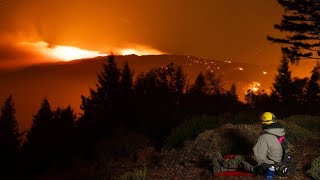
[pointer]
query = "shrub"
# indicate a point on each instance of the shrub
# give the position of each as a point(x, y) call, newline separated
point(312, 123)
point(295, 132)
point(314, 171)
point(244, 118)
point(195, 125)
point(135, 175)
point(190, 128)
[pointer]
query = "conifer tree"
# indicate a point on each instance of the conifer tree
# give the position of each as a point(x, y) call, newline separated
point(301, 26)
point(41, 122)
point(108, 80)
point(313, 86)
point(62, 136)
point(214, 83)
point(126, 80)
point(9, 136)
point(200, 85)
point(180, 82)
point(38, 147)
point(98, 108)
point(233, 90)
point(299, 88)
point(282, 87)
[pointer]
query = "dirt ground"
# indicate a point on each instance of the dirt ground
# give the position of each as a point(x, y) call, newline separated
point(185, 165)
point(303, 152)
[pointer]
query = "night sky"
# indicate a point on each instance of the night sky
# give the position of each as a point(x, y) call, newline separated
point(225, 30)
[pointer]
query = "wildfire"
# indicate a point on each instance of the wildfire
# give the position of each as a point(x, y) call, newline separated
point(140, 51)
point(68, 53)
point(254, 86)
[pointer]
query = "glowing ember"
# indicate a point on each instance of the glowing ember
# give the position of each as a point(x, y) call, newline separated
point(264, 72)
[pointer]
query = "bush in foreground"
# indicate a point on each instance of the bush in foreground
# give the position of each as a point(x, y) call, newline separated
point(314, 171)
point(190, 129)
point(195, 125)
point(311, 123)
point(135, 175)
point(295, 132)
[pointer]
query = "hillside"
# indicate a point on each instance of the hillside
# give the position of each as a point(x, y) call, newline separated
point(64, 82)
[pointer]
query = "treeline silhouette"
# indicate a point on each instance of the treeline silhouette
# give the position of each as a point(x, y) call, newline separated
point(152, 104)
point(289, 95)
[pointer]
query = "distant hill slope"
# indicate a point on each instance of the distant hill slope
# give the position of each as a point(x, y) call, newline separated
point(64, 82)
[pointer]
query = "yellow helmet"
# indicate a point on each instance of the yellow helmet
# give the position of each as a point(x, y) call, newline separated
point(268, 118)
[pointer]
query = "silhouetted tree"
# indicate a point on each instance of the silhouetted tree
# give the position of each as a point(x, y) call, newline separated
point(180, 82)
point(126, 80)
point(313, 86)
point(282, 87)
point(158, 95)
point(98, 116)
point(298, 90)
point(125, 101)
point(38, 145)
point(232, 95)
point(233, 90)
point(108, 80)
point(9, 137)
point(214, 83)
point(62, 134)
point(40, 124)
point(200, 85)
point(139, 85)
point(207, 96)
point(250, 98)
point(301, 21)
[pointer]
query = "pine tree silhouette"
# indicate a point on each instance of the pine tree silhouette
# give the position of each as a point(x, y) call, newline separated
point(127, 80)
point(214, 83)
point(282, 87)
point(98, 116)
point(233, 90)
point(180, 82)
point(301, 25)
point(200, 85)
point(9, 137)
point(298, 90)
point(37, 148)
point(40, 124)
point(62, 136)
point(313, 86)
